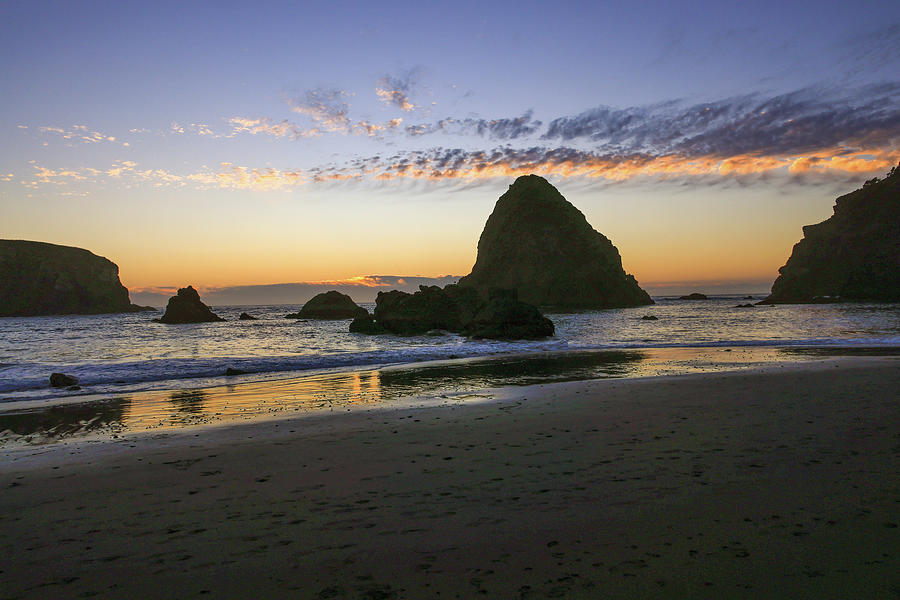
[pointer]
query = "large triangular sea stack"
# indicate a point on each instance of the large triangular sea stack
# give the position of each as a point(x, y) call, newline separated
point(537, 243)
point(852, 256)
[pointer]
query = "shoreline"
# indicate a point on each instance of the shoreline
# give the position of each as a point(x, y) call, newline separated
point(110, 417)
point(97, 417)
point(770, 482)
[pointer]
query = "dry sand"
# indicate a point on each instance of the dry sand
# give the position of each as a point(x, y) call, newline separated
point(778, 483)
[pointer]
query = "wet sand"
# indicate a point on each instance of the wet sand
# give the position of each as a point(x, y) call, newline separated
point(779, 482)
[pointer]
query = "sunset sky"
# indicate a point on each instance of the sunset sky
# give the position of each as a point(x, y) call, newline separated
point(234, 144)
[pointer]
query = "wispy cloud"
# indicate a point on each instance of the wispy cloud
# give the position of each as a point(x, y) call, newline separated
point(326, 107)
point(226, 176)
point(245, 178)
point(374, 129)
point(79, 134)
point(395, 91)
point(499, 129)
point(265, 125)
point(798, 122)
point(507, 162)
point(821, 132)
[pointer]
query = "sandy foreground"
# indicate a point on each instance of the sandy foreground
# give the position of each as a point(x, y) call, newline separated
point(775, 483)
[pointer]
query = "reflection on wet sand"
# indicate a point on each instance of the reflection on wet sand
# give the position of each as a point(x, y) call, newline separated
point(64, 421)
point(428, 383)
point(188, 402)
point(517, 370)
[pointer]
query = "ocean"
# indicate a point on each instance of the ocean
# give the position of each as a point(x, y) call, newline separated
point(128, 353)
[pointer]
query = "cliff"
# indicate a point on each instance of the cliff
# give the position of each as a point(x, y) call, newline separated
point(37, 278)
point(539, 244)
point(853, 256)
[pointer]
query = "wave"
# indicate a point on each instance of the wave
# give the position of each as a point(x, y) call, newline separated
point(30, 380)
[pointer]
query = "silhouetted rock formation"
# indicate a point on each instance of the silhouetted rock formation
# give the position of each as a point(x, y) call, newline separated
point(537, 243)
point(186, 307)
point(37, 278)
point(247, 317)
point(456, 309)
point(649, 318)
point(853, 256)
point(329, 305)
point(366, 323)
point(694, 296)
point(505, 318)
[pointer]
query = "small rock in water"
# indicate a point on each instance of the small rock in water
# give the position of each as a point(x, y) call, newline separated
point(62, 380)
point(748, 305)
point(232, 371)
point(247, 317)
point(649, 318)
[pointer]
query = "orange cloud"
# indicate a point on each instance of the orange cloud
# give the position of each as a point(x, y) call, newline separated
point(576, 164)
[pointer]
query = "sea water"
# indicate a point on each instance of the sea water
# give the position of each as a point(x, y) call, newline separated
point(127, 353)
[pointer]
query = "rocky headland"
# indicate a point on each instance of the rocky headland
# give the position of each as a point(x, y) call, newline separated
point(186, 307)
point(539, 244)
point(329, 305)
point(37, 278)
point(853, 256)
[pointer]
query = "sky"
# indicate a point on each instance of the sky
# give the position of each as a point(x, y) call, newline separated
point(232, 146)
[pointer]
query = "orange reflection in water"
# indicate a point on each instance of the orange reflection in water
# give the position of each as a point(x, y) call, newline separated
point(254, 400)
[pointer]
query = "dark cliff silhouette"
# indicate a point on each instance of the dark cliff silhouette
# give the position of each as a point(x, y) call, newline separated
point(37, 278)
point(539, 244)
point(853, 256)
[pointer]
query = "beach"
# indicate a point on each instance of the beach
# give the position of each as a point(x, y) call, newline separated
point(774, 482)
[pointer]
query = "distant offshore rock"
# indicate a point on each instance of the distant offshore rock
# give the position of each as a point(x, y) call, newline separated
point(539, 244)
point(329, 305)
point(694, 296)
point(37, 278)
point(247, 317)
point(455, 309)
point(186, 307)
point(853, 256)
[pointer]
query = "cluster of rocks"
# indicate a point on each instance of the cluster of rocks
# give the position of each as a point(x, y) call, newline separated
point(455, 309)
